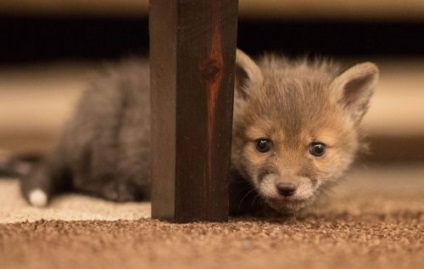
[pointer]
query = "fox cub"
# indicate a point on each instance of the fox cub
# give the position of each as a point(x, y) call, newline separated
point(296, 130)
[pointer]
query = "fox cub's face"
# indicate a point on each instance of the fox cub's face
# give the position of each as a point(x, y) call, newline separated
point(296, 125)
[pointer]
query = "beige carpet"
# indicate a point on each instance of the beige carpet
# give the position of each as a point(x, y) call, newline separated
point(13, 208)
point(374, 219)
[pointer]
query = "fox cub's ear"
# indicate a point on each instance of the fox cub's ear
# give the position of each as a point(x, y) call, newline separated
point(248, 75)
point(354, 87)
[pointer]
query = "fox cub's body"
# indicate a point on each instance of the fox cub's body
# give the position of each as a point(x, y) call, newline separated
point(295, 131)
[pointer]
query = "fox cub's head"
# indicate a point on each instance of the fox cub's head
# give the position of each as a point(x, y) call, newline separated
point(296, 125)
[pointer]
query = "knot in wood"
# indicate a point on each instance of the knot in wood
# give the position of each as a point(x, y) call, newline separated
point(211, 71)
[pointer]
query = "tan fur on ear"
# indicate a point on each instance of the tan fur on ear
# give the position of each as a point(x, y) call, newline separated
point(354, 88)
point(248, 74)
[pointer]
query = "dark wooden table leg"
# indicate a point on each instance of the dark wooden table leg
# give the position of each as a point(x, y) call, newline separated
point(192, 55)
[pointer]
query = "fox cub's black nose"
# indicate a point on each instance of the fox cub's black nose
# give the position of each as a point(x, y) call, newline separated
point(286, 188)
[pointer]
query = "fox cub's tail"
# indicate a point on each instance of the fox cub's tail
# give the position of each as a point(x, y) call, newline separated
point(40, 179)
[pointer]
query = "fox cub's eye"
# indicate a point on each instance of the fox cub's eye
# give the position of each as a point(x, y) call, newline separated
point(263, 144)
point(317, 149)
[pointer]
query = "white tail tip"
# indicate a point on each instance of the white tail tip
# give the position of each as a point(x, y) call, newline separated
point(38, 198)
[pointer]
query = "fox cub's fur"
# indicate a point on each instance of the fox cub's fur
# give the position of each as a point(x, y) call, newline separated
point(295, 131)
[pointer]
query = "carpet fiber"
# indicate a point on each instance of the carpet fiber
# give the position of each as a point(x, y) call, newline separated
point(375, 219)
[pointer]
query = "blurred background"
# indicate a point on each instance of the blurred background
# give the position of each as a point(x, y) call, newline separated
point(49, 48)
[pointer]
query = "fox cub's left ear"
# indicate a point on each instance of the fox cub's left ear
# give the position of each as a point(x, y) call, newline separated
point(354, 87)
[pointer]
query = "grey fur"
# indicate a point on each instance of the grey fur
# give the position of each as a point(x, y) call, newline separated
point(104, 150)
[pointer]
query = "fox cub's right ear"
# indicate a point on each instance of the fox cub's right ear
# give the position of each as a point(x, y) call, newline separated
point(248, 75)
